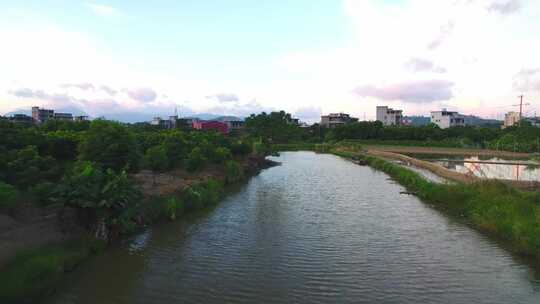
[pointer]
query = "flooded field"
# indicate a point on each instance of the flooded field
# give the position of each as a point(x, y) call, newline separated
point(488, 167)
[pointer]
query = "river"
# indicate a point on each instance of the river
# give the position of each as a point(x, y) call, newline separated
point(317, 229)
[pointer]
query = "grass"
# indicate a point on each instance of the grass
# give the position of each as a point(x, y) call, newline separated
point(33, 274)
point(490, 206)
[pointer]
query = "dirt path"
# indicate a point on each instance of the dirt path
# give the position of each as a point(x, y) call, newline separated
point(446, 151)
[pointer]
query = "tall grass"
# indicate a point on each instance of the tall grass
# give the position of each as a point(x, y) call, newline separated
point(490, 206)
point(35, 273)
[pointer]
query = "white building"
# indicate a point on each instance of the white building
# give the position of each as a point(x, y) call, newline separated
point(446, 119)
point(389, 116)
point(510, 119)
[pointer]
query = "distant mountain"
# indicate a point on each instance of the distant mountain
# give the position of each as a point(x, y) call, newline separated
point(208, 116)
point(473, 120)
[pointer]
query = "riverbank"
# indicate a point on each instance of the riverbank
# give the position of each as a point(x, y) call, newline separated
point(39, 264)
point(490, 206)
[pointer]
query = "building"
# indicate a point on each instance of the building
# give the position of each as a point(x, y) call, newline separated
point(236, 126)
point(21, 118)
point(510, 119)
point(81, 118)
point(534, 121)
point(162, 123)
point(446, 119)
point(63, 116)
point(389, 116)
point(218, 126)
point(333, 120)
point(41, 115)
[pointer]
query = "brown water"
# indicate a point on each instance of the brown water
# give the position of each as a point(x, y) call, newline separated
point(317, 229)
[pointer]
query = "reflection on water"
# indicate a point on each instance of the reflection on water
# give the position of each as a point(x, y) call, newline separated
point(316, 229)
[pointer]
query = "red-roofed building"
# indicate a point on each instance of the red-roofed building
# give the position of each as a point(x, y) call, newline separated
point(221, 127)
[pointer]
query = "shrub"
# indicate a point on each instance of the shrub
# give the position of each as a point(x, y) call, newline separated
point(8, 196)
point(44, 194)
point(195, 160)
point(233, 172)
point(220, 155)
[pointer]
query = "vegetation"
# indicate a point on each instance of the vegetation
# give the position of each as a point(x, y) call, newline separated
point(490, 206)
point(32, 274)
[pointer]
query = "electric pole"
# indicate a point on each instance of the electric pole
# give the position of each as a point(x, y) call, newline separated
point(520, 105)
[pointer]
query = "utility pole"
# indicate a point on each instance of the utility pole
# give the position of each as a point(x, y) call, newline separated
point(520, 105)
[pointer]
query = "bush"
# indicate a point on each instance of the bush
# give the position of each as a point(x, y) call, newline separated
point(44, 194)
point(8, 196)
point(220, 155)
point(233, 172)
point(173, 208)
point(241, 148)
point(195, 160)
point(156, 159)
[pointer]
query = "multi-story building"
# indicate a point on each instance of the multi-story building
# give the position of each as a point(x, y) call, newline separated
point(236, 126)
point(63, 116)
point(162, 123)
point(389, 116)
point(333, 120)
point(41, 115)
point(218, 126)
point(446, 119)
point(510, 119)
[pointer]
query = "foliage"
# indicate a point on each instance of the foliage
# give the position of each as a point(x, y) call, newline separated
point(199, 196)
point(110, 144)
point(8, 196)
point(103, 190)
point(35, 273)
point(220, 154)
point(241, 148)
point(156, 158)
point(276, 127)
point(491, 206)
point(173, 208)
point(195, 160)
point(44, 193)
point(233, 172)
point(25, 167)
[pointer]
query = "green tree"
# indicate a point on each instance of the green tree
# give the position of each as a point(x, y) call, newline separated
point(110, 144)
point(156, 159)
point(196, 159)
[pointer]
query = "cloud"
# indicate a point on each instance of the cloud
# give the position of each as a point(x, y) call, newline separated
point(85, 86)
point(224, 97)
point(423, 65)
point(444, 32)
point(142, 94)
point(416, 92)
point(108, 90)
point(505, 7)
point(40, 94)
point(102, 9)
point(308, 113)
point(527, 80)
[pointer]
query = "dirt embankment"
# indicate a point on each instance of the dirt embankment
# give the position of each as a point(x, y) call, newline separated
point(447, 173)
point(446, 151)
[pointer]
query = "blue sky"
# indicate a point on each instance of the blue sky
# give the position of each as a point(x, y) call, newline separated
point(237, 57)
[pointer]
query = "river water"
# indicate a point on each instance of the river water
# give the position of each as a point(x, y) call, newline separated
point(316, 229)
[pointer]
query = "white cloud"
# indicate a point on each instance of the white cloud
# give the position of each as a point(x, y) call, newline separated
point(102, 9)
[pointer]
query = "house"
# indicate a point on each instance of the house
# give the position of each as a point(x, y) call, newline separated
point(446, 119)
point(333, 120)
point(218, 126)
point(389, 116)
point(511, 118)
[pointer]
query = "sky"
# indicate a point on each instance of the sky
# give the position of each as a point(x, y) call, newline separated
point(132, 60)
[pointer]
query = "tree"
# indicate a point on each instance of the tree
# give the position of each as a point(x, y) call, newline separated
point(195, 160)
point(110, 144)
point(156, 160)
